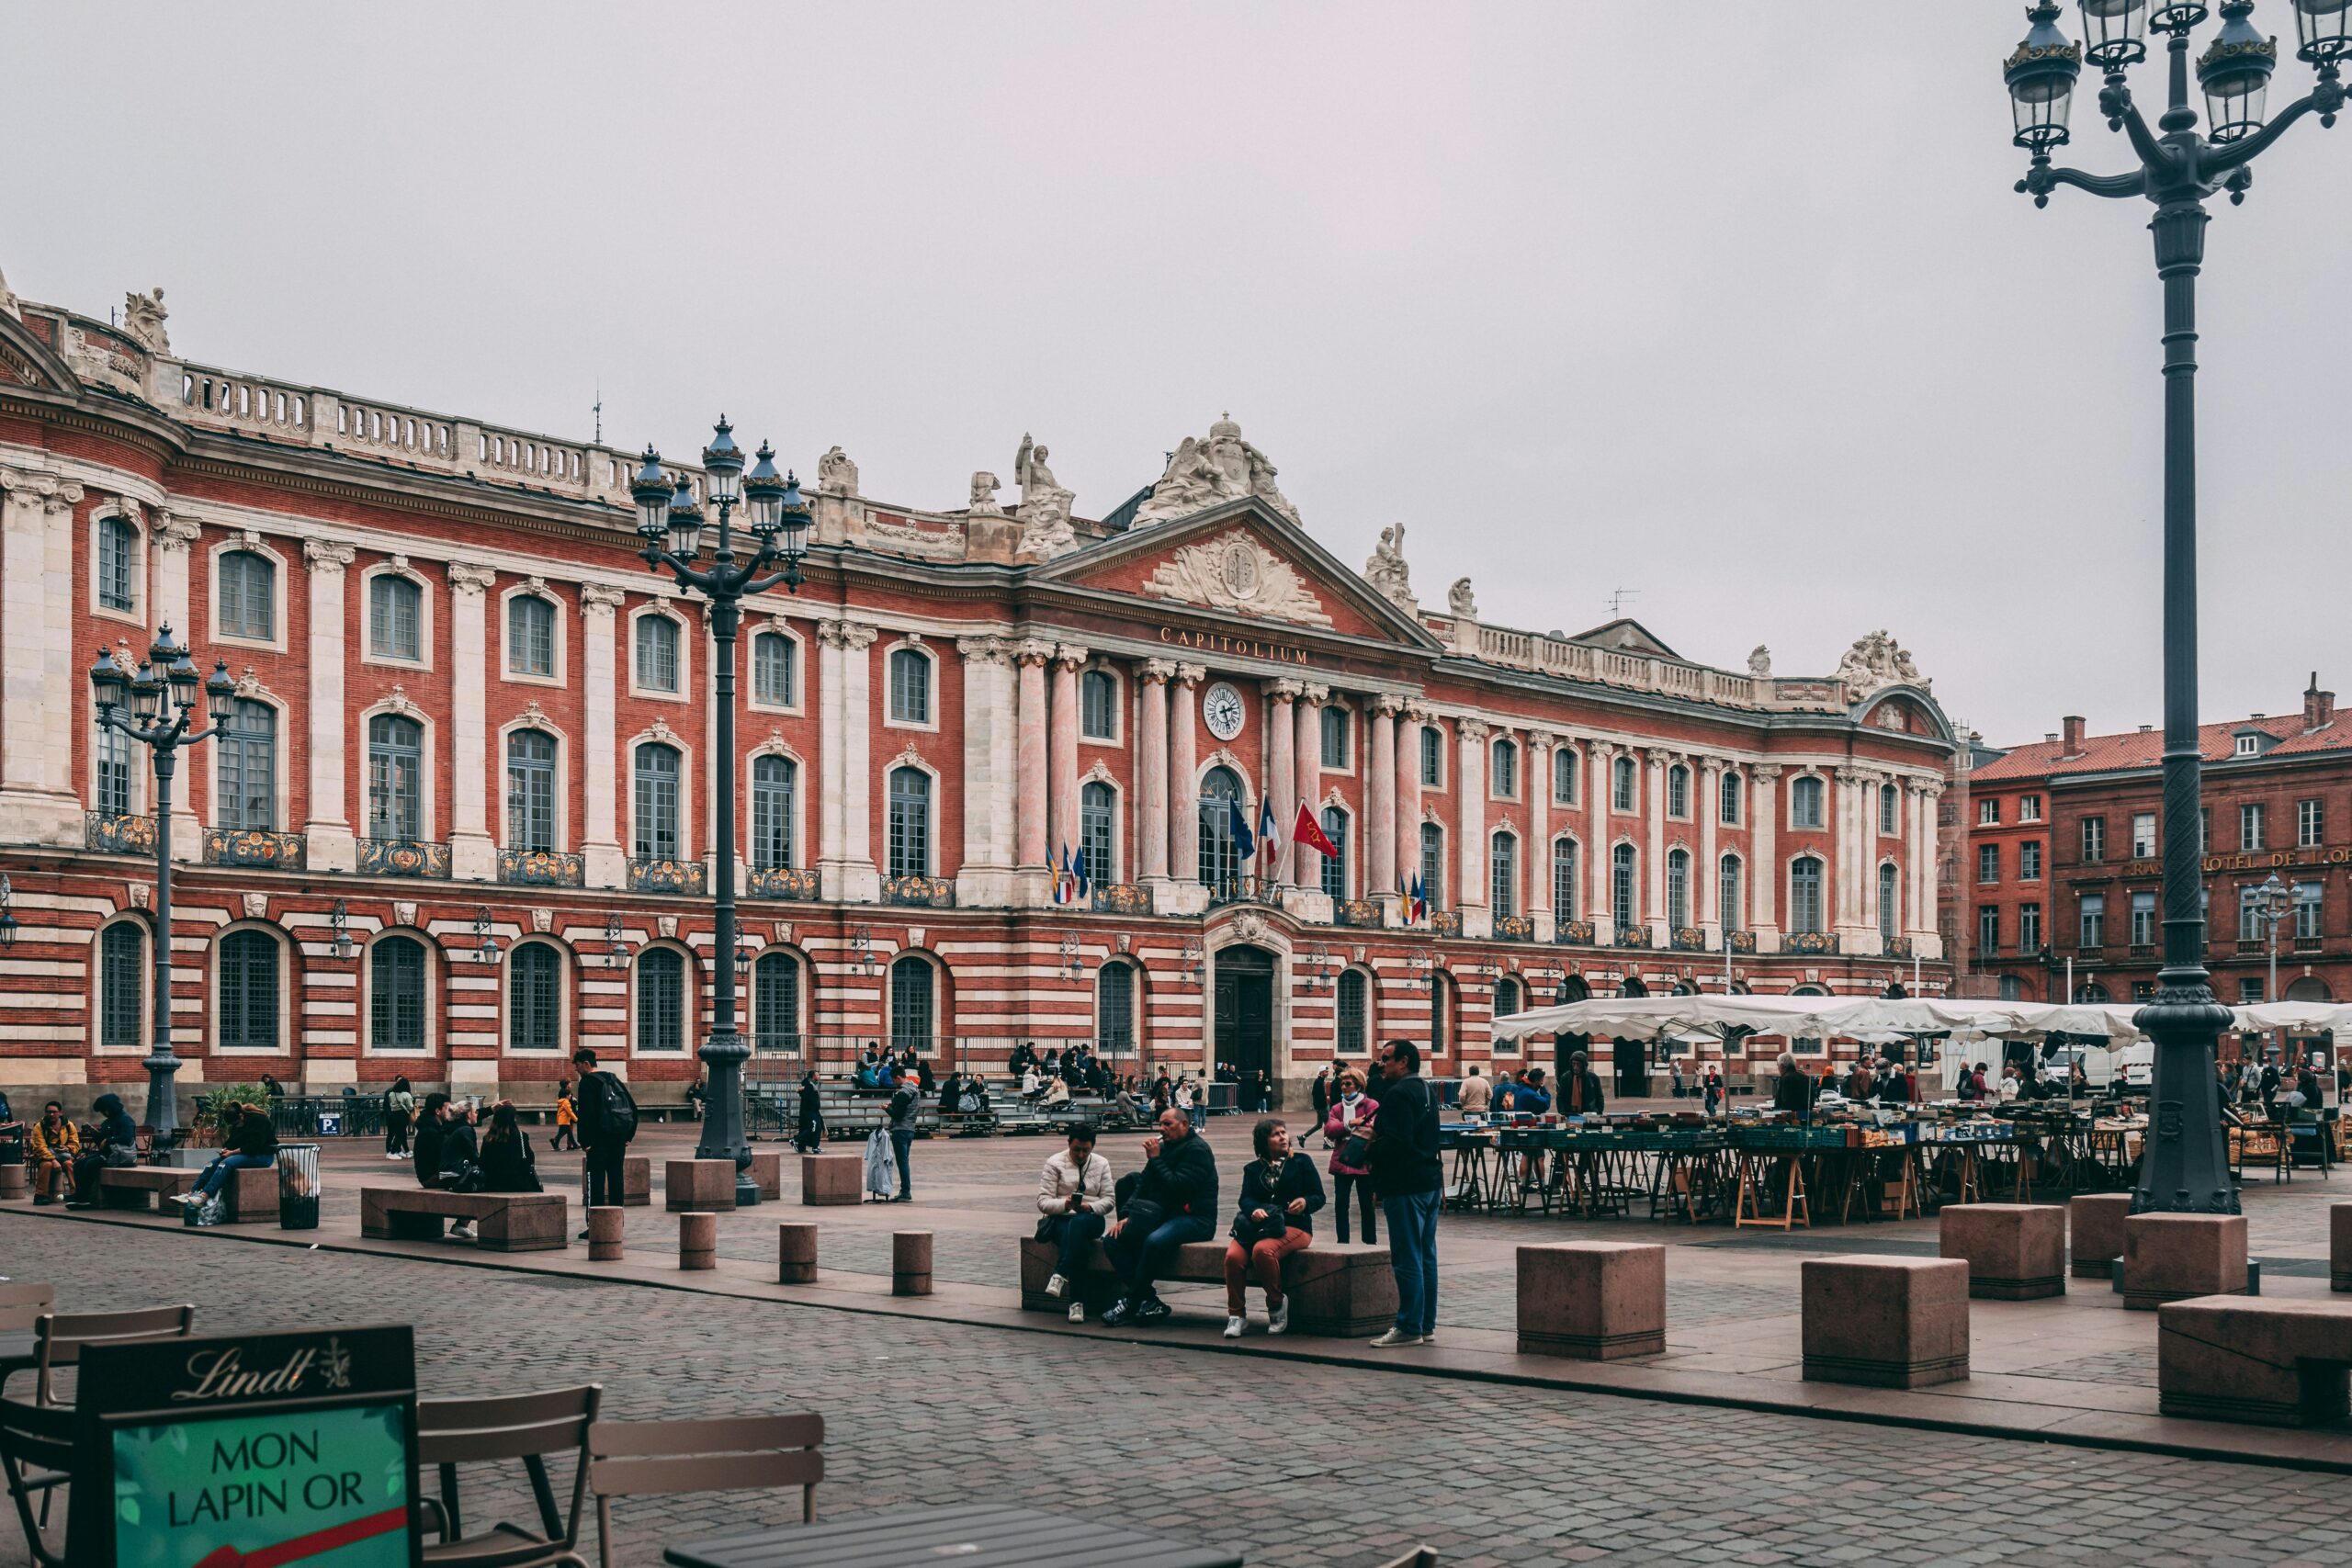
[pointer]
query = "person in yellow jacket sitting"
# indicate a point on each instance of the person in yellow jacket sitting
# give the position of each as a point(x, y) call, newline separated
point(51, 1147)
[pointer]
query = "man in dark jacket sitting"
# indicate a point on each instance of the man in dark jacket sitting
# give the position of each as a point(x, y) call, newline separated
point(1178, 1180)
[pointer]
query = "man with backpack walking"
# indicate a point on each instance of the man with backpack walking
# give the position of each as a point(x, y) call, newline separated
point(607, 1123)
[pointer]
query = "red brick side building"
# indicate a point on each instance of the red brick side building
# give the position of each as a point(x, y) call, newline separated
point(2064, 859)
point(460, 820)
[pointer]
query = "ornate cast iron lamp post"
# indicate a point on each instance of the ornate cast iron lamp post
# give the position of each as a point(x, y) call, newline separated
point(779, 532)
point(162, 704)
point(2184, 1169)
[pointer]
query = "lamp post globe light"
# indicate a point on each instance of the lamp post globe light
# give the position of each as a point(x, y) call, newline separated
point(2184, 1169)
point(672, 526)
point(155, 706)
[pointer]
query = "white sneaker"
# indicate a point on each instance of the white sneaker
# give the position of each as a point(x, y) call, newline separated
point(390, 1155)
point(463, 1229)
point(1278, 1320)
point(1055, 1286)
point(1395, 1338)
point(1078, 1312)
point(1233, 1328)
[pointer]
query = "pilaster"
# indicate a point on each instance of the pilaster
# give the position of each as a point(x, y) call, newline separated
point(1279, 775)
point(327, 837)
point(846, 873)
point(473, 854)
point(1708, 807)
point(985, 878)
point(1307, 863)
point(1151, 777)
point(1380, 802)
point(1654, 851)
point(41, 695)
point(174, 538)
point(1186, 896)
point(1535, 858)
point(603, 861)
point(1032, 850)
point(1470, 823)
point(1764, 874)
point(1062, 773)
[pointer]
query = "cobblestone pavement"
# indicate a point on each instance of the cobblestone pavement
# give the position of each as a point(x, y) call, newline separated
point(1291, 1464)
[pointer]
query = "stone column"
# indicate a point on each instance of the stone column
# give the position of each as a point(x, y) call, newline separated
point(1470, 814)
point(328, 843)
point(1598, 875)
point(1151, 777)
point(1654, 851)
point(474, 852)
point(1535, 785)
point(1872, 848)
point(1920, 849)
point(1186, 893)
point(1926, 864)
point(1764, 865)
point(174, 538)
point(846, 868)
point(1307, 863)
point(604, 861)
point(1380, 800)
point(1850, 844)
point(1409, 726)
point(1030, 847)
point(42, 693)
point(1279, 778)
point(985, 878)
point(1710, 891)
point(1061, 775)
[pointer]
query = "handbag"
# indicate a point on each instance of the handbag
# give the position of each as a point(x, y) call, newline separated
point(1250, 1231)
point(1356, 1153)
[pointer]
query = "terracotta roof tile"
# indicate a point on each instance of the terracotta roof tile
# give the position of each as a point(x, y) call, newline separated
point(2146, 749)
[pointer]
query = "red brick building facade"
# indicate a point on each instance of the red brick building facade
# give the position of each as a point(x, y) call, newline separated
point(460, 820)
point(2065, 859)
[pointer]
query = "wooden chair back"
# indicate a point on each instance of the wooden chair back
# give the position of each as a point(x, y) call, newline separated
point(37, 1455)
point(59, 1339)
point(514, 1426)
point(737, 1453)
point(20, 1305)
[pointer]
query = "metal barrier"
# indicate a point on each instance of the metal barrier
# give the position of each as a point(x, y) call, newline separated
point(327, 1115)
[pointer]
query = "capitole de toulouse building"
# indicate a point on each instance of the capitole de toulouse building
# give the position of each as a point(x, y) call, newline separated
point(459, 820)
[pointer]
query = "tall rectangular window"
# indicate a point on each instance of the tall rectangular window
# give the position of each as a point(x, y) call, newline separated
point(2029, 927)
point(1098, 811)
point(530, 634)
point(1432, 757)
point(395, 768)
point(395, 607)
point(122, 984)
point(2029, 862)
point(2029, 808)
point(660, 1001)
point(1335, 868)
point(246, 762)
point(1989, 863)
point(775, 1003)
point(1805, 895)
point(1623, 908)
point(1505, 782)
point(1623, 784)
point(1730, 793)
point(248, 596)
point(1337, 725)
point(1564, 776)
point(657, 653)
point(2144, 920)
point(1433, 864)
point(1502, 857)
point(1988, 813)
point(773, 779)
point(530, 790)
point(117, 544)
point(909, 822)
point(2093, 909)
point(2309, 897)
point(1353, 1010)
point(2143, 835)
point(771, 671)
point(1732, 895)
point(2094, 839)
point(1098, 705)
point(1989, 929)
point(655, 816)
point(534, 1017)
point(247, 997)
point(113, 749)
point(1567, 900)
point(396, 995)
point(2250, 826)
point(2311, 825)
point(1804, 803)
point(909, 686)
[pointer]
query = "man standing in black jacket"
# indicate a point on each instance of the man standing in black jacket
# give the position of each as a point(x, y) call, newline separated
point(604, 1148)
point(1409, 1175)
point(1179, 1182)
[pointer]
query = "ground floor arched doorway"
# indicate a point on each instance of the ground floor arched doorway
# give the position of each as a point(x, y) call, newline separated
point(1243, 1020)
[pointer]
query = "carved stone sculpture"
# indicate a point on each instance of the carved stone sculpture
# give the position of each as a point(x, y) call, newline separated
point(836, 475)
point(984, 488)
point(1234, 572)
point(142, 318)
point(1045, 505)
point(1463, 602)
point(1760, 661)
point(1387, 571)
point(1876, 662)
point(8, 300)
point(1202, 473)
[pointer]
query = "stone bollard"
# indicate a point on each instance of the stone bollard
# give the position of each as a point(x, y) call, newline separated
point(768, 1174)
point(910, 1263)
point(16, 1181)
point(2095, 1232)
point(2014, 1252)
point(827, 1180)
point(2339, 1247)
point(1885, 1322)
point(698, 1241)
point(2170, 1257)
point(795, 1254)
point(1592, 1301)
point(605, 1233)
point(699, 1186)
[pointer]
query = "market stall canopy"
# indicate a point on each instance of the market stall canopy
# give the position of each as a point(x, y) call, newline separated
point(1805, 1016)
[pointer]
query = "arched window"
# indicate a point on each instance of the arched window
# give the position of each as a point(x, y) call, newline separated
point(1510, 997)
point(395, 606)
point(248, 606)
point(2091, 992)
point(1805, 895)
point(530, 790)
point(246, 764)
point(774, 782)
point(530, 634)
point(1678, 888)
point(534, 997)
point(909, 686)
point(1432, 757)
point(1220, 864)
point(910, 850)
point(1804, 803)
point(775, 1003)
point(1098, 705)
point(1098, 806)
point(1445, 1001)
point(1506, 779)
point(772, 670)
point(1335, 868)
point(1623, 909)
point(1502, 861)
point(118, 547)
point(1566, 880)
point(248, 991)
point(1677, 791)
point(1115, 1010)
point(1622, 781)
point(1889, 809)
point(1433, 864)
point(656, 802)
point(914, 1015)
point(661, 999)
point(657, 653)
point(395, 768)
point(1729, 791)
point(396, 995)
point(1890, 902)
point(1564, 776)
point(1354, 1013)
point(122, 983)
point(1732, 893)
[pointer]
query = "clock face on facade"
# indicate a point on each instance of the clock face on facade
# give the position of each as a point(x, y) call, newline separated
point(1221, 707)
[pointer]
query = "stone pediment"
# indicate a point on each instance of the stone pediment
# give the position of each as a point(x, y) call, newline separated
point(1234, 572)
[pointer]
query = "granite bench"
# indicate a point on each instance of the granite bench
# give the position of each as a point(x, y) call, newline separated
point(138, 1186)
point(2274, 1363)
point(250, 1196)
point(503, 1222)
point(1885, 1322)
point(1333, 1294)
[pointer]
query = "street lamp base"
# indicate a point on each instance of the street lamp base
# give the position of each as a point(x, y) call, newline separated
point(747, 1192)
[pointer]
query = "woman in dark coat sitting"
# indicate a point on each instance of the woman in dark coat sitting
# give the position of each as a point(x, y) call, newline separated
point(507, 1162)
point(1280, 1188)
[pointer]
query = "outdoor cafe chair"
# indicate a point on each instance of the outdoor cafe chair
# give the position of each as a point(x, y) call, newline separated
point(37, 1454)
point(740, 1453)
point(529, 1426)
point(20, 1305)
point(59, 1339)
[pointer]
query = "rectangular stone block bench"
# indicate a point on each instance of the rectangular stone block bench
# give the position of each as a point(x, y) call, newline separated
point(698, 1186)
point(2095, 1233)
point(830, 1180)
point(2281, 1363)
point(1592, 1301)
point(1885, 1322)
point(2172, 1257)
point(768, 1174)
point(1332, 1294)
point(636, 1182)
point(2014, 1252)
point(250, 1197)
point(2339, 1247)
point(138, 1185)
point(503, 1222)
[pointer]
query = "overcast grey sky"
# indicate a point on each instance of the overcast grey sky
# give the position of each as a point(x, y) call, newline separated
point(1729, 305)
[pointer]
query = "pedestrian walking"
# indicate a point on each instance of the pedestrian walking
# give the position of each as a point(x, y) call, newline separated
point(567, 1119)
point(400, 1109)
point(607, 1121)
point(1409, 1173)
point(809, 1127)
point(1321, 1093)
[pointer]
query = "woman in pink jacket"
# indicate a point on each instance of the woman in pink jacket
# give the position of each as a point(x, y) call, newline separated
point(1347, 1130)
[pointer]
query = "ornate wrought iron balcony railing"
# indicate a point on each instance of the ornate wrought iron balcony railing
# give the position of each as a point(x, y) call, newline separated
point(1572, 934)
point(1809, 941)
point(782, 882)
point(402, 857)
point(1120, 898)
point(253, 846)
point(667, 877)
point(923, 892)
point(541, 868)
point(1514, 928)
point(114, 833)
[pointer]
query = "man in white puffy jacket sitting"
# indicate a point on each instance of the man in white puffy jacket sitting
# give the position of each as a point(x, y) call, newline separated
point(1075, 1197)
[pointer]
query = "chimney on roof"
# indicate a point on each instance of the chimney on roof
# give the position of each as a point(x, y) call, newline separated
point(2145, 728)
point(2049, 737)
point(2319, 708)
point(2073, 724)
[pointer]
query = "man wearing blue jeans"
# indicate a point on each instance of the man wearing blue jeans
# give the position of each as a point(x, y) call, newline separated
point(1179, 1179)
point(1410, 1177)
